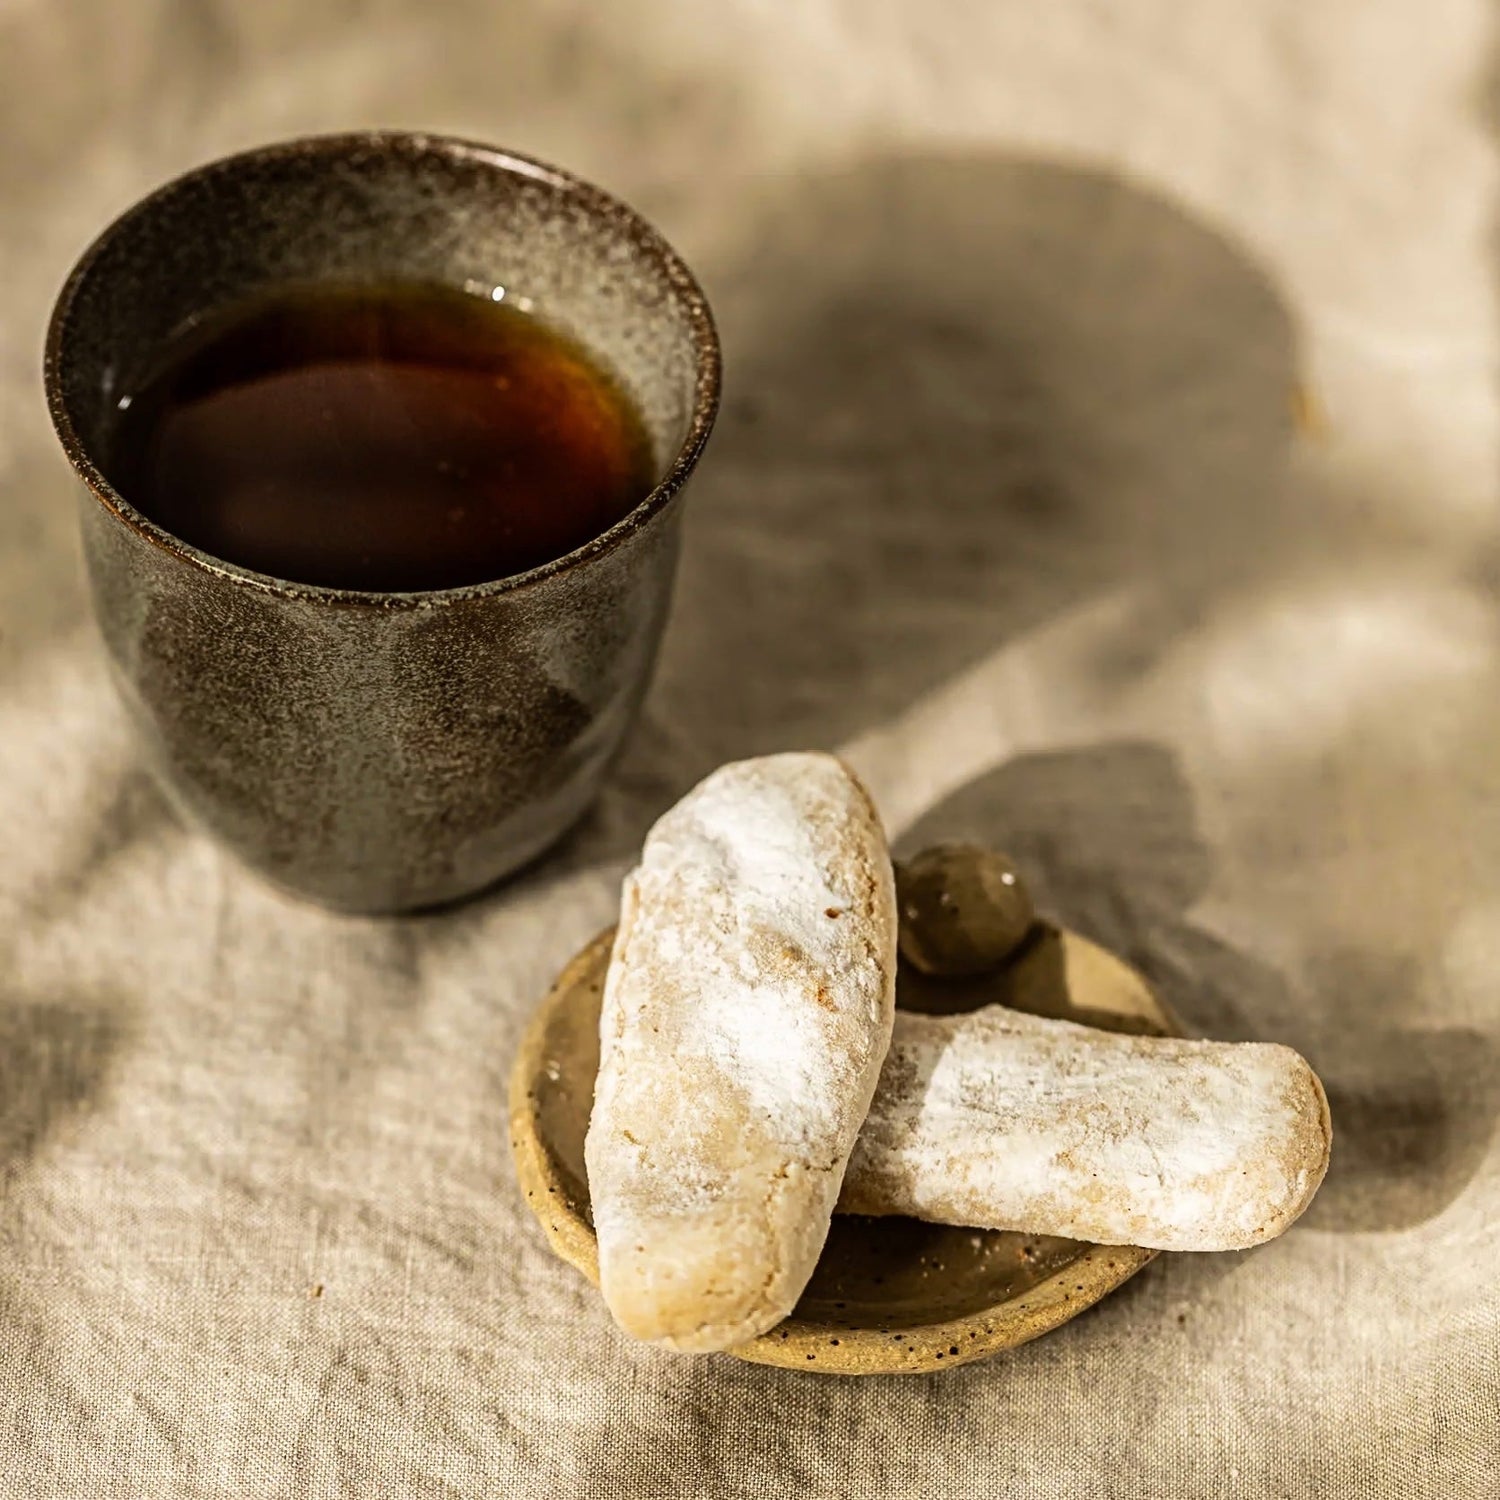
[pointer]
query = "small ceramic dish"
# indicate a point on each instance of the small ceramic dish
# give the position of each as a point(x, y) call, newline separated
point(890, 1295)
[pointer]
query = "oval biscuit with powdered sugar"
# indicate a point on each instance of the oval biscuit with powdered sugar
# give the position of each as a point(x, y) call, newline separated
point(746, 1015)
point(1013, 1121)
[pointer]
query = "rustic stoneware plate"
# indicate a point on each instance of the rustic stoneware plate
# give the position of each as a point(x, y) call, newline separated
point(890, 1295)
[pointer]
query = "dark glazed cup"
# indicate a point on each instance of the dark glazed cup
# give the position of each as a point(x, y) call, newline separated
point(379, 752)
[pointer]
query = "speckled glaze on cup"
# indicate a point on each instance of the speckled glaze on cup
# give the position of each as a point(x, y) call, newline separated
point(381, 752)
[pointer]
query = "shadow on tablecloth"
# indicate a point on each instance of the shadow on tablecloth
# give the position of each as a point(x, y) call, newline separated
point(963, 394)
point(1108, 838)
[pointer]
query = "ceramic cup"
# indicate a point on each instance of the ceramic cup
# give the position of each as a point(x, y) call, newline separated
point(380, 752)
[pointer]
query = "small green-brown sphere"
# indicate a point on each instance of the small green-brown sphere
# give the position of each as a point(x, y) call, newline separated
point(963, 910)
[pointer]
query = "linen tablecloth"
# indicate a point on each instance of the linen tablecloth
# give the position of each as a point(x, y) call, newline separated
point(1107, 467)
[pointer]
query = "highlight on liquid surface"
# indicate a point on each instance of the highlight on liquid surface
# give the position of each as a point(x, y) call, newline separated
point(394, 438)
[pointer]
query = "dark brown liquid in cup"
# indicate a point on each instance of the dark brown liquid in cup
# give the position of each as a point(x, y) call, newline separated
point(394, 438)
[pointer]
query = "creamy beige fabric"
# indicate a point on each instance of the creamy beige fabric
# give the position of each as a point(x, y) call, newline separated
point(1108, 468)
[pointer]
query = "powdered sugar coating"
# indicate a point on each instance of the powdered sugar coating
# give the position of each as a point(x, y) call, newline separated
point(1013, 1121)
point(746, 1014)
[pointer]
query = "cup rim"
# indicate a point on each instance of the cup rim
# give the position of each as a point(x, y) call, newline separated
point(707, 359)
